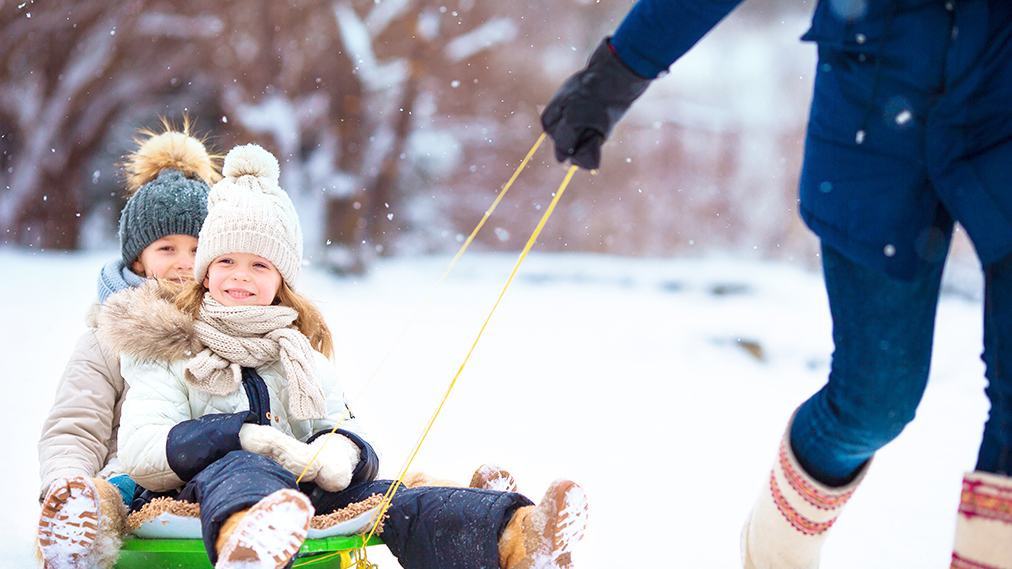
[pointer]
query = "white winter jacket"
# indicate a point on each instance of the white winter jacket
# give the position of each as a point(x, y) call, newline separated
point(156, 341)
point(159, 398)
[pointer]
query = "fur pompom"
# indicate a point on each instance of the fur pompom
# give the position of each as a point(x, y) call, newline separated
point(144, 323)
point(170, 149)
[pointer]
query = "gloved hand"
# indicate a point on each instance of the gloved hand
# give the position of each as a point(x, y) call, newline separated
point(583, 111)
point(331, 470)
point(336, 461)
point(292, 454)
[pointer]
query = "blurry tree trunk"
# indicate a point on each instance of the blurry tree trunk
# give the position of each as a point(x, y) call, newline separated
point(384, 191)
point(69, 70)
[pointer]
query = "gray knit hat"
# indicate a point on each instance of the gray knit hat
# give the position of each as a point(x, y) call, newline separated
point(171, 204)
point(167, 179)
point(248, 213)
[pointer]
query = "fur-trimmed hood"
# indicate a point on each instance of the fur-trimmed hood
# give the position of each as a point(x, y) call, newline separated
point(143, 322)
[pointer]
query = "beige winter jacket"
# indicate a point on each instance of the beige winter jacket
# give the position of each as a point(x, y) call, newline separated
point(79, 434)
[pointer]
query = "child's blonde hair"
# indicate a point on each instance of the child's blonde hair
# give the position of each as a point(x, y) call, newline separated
point(188, 296)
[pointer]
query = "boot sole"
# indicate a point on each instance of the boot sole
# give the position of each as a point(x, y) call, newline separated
point(490, 477)
point(570, 520)
point(68, 524)
point(270, 533)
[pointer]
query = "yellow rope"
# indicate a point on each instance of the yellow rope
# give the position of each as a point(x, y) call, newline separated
point(362, 560)
point(530, 243)
point(463, 248)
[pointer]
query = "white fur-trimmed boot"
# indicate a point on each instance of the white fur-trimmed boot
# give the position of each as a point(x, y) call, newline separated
point(267, 535)
point(542, 536)
point(81, 525)
point(790, 521)
point(984, 523)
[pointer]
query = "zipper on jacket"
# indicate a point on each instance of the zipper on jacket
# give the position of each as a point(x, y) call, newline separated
point(259, 397)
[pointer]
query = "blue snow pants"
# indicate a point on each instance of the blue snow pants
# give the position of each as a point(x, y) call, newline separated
point(426, 527)
point(882, 332)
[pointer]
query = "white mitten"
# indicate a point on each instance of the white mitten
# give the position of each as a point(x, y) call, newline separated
point(336, 461)
point(293, 455)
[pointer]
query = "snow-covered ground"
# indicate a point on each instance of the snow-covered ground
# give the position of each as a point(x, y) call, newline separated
point(629, 376)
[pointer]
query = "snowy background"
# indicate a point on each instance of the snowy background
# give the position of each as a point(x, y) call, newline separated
point(627, 376)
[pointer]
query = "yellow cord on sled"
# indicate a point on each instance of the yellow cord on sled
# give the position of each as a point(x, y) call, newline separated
point(362, 560)
point(530, 243)
point(453, 262)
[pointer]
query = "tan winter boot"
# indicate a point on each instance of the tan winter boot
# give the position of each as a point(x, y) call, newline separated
point(984, 523)
point(790, 521)
point(267, 535)
point(81, 525)
point(416, 479)
point(487, 477)
point(491, 477)
point(543, 536)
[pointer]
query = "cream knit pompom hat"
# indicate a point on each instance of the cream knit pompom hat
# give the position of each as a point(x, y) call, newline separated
point(248, 213)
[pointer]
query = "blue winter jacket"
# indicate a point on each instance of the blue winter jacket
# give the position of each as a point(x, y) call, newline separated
point(910, 125)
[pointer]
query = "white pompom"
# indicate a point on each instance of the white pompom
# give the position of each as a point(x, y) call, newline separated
point(251, 160)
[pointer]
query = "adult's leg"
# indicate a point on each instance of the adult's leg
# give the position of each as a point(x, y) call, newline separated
point(984, 522)
point(995, 455)
point(882, 333)
point(882, 329)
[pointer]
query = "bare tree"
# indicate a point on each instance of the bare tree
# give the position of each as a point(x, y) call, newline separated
point(69, 68)
point(396, 122)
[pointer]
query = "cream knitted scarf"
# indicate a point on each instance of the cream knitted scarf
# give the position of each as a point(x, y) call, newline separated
point(250, 336)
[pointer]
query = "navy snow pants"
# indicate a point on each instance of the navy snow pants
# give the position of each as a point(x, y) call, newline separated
point(425, 528)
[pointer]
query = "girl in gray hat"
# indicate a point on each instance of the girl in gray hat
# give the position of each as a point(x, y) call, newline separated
point(85, 493)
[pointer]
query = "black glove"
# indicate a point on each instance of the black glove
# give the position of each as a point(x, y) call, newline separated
point(581, 114)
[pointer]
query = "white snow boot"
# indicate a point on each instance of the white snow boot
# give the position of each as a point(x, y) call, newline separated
point(81, 524)
point(984, 523)
point(543, 536)
point(267, 535)
point(792, 517)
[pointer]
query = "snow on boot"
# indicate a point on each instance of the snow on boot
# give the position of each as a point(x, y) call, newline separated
point(81, 524)
point(790, 521)
point(542, 536)
point(491, 477)
point(267, 535)
point(984, 523)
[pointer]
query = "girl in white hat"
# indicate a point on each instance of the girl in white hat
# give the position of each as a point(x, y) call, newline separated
point(232, 396)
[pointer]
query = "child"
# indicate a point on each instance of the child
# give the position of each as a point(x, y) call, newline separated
point(85, 494)
point(231, 396)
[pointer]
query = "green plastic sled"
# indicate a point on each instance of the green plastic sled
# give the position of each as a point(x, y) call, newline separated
point(326, 553)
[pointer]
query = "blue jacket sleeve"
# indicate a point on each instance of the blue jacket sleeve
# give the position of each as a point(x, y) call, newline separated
point(657, 32)
point(195, 444)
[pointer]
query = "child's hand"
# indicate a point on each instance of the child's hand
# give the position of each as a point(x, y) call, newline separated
point(293, 455)
point(337, 459)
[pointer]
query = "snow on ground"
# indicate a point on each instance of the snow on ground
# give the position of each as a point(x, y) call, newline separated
point(629, 376)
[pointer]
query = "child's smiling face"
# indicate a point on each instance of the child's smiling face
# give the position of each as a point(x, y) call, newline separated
point(242, 279)
point(170, 258)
